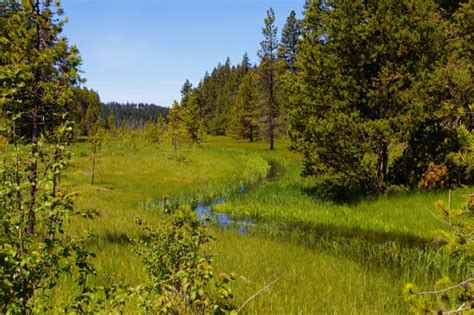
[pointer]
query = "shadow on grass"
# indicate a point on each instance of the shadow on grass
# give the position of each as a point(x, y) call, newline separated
point(117, 238)
point(397, 252)
point(338, 196)
point(315, 231)
point(276, 170)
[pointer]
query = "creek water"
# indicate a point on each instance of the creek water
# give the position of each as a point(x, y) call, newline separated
point(222, 220)
point(206, 214)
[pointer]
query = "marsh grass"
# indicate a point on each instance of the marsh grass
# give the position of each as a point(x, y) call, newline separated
point(332, 258)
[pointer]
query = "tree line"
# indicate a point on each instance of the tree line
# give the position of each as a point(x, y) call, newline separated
point(40, 94)
point(247, 101)
point(375, 95)
point(135, 115)
point(87, 110)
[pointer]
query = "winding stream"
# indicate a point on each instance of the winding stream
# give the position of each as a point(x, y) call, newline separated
point(206, 214)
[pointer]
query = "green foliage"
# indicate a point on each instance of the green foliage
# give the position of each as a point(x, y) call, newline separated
point(36, 251)
point(112, 124)
point(185, 125)
point(449, 296)
point(179, 271)
point(154, 133)
point(86, 111)
point(267, 77)
point(37, 66)
point(176, 130)
point(245, 112)
point(32, 256)
point(371, 83)
point(191, 119)
point(442, 119)
point(97, 140)
point(126, 136)
point(290, 37)
point(38, 72)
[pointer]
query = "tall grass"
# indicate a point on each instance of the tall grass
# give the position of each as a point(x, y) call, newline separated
point(337, 259)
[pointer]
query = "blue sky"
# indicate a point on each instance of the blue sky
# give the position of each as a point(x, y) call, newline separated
point(144, 50)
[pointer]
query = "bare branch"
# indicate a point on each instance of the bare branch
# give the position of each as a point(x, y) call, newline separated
point(438, 218)
point(256, 294)
point(460, 284)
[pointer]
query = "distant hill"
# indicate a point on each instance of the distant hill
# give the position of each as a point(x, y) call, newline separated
point(135, 115)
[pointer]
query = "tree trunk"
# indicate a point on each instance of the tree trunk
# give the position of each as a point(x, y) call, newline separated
point(93, 170)
point(382, 163)
point(271, 127)
point(30, 229)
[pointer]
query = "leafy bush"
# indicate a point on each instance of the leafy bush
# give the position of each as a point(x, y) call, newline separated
point(448, 296)
point(179, 268)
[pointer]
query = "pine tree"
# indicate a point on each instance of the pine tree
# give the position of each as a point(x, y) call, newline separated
point(186, 89)
point(86, 111)
point(439, 135)
point(267, 69)
point(176, 132)
point(244, 123)
point(189, 114)
point(112, 123)
point(191, 119)
point(360, 61)
point(245, 65)
point(39, 71)
point(289, 41)
point(93, 117)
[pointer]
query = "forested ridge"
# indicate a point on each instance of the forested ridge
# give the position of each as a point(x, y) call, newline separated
point(135, 115)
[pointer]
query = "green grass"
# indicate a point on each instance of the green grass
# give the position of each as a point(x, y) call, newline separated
point(331, 258)
point(310, 282)
point(129, 179)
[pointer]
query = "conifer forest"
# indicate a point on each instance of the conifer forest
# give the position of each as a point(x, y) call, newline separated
point(330, 171)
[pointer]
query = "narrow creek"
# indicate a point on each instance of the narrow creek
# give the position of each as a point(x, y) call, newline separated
point(206, 214)
point(367, 247)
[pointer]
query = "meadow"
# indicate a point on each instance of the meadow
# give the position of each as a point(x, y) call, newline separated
point(325, 257)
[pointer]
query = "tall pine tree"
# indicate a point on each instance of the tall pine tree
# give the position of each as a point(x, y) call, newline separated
point(267, 70)
point(245, 114)
point(289, 41)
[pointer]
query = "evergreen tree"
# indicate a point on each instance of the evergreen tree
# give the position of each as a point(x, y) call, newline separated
point(244, 123)
point(360, 62)
point(439, 135)
point(92, 121)
point(112, 123)
point(186, 89)
point(85, 110)
point(176, 132)
point(245, 65)
point(217, 93)
point(289, 41)
point(267, 69)
point(38, 71)
point(191, 119)
point(38, 66)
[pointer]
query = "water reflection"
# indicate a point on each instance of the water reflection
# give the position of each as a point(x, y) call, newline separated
point(223, 221)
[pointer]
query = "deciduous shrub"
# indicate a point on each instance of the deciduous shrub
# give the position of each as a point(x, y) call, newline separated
point(180, 276)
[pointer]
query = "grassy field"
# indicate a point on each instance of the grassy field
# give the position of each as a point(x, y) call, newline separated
point(328, 258)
